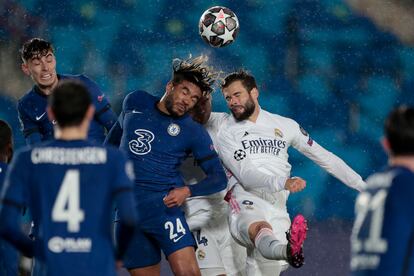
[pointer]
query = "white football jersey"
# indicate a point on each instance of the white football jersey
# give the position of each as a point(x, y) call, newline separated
point(257, 154)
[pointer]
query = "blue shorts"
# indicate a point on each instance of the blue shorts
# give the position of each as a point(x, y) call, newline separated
point(159, 228)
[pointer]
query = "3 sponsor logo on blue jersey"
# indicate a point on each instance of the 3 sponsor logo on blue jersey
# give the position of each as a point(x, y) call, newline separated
point(142, 144)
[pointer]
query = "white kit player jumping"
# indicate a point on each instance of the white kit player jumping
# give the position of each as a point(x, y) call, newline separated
point(253, 144)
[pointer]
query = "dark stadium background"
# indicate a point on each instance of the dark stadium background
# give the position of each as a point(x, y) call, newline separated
point(337, 67)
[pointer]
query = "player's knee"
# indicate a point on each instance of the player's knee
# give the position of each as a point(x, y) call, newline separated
point(255, 227)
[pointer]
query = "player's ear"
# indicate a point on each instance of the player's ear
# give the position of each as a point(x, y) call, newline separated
point(25, 69)
point(50, 114)
point(254, 92)
point(90, 112)
point(386, 145)
point(169, 87)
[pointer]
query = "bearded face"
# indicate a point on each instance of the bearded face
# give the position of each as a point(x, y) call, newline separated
point(242, 112)
point(239, 100)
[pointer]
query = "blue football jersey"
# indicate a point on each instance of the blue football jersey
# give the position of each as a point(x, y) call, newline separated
point(70, 187)
point(36, 126)
point(157, 143)
point(9, 257)
point(382, 240)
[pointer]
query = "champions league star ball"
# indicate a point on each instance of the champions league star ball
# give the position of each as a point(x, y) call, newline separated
point(219, 26)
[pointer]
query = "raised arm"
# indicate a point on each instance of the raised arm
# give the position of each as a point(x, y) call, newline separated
point(104, 114)
point(325, 159)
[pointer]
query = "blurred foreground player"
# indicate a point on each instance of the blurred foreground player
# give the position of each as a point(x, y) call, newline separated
point(382, 241)
point(9, 257)
point(157, 135)
point(69, 184)
point(39, 63)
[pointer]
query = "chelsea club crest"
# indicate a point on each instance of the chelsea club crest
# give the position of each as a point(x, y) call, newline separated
point(173, 129)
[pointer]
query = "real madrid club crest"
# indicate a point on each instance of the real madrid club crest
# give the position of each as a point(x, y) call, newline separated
point(248, 204)
point(173, 129)
point(201, 254)
point(278, 133)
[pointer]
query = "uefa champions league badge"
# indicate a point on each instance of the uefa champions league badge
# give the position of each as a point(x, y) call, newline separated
point(173, 129)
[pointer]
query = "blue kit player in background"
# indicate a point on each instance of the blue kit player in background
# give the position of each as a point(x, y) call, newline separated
point(157, 135)
point(9, 257)
point(39, 63)
point(70, 184)
point(382, 240)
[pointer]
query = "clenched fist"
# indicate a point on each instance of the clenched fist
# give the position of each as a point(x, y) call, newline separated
point(177, 196)
point(295, 184)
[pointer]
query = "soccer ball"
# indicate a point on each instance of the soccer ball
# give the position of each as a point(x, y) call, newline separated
point(218, 26)
point(239, 155)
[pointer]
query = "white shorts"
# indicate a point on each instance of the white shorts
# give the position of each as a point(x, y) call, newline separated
point(217, 252)
point(245, 209)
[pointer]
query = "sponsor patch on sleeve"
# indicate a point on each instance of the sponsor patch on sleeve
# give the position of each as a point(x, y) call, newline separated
point(304, 132)
point(310, 142)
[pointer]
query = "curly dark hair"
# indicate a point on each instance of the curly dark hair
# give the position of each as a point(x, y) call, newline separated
point(196, 71)
point(69, 102)
point(35, 47)
point(242, 75)
point(399, 130)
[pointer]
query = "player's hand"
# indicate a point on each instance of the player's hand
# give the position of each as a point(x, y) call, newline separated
point(202, 110)
point(177, 196)
point(295, 184)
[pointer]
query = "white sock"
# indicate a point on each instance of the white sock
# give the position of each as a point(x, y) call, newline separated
point(269, 246)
